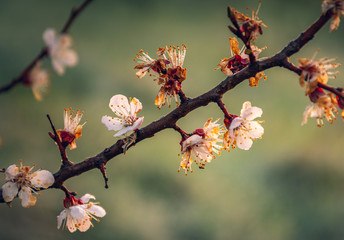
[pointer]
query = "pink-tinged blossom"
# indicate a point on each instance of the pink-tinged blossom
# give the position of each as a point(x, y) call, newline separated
point(72, 128)
point(22, 182)
point(126, 111)
point(59, 49)
point(242, 129)
point(201, 146)
point(78, 213)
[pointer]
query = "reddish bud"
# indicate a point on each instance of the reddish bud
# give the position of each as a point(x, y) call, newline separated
point(199, 132)
point(66, 137)
point(70, 200)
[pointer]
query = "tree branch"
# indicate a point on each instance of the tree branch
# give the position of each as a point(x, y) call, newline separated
point(170, 120)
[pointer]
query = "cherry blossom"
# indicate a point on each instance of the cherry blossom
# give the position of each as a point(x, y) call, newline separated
point(242, 129)
point(78, 213)
point(60, 52)
point(20, 180)
point(127, 111)
point(201, 146)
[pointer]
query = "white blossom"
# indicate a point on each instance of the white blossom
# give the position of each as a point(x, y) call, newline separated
point(79, 214)
point(201, 146)
point(60, 52)
point(127, 111)
point(243, 128)
point(20, 180)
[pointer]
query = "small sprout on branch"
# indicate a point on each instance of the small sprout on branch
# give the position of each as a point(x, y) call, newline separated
point(242, 129)
point(78, 213)
point(20, 180)
point(59, 49)
point(103, 171)
point(128, 141)
point(127, 112)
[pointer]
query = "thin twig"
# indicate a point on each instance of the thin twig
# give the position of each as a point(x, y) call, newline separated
point(239, 34)
point(182, 133)
point(223, 108)
point(332, 90)
point(65, 160)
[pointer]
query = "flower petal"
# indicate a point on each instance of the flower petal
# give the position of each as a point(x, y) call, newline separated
point(25, 195)
point(85, 225)
point(68, 57)
point(135, 106)
point(78, 212)
point(252, 113)
point(11, 172)
point(119, 105)
point(97, 211)
point(236, 122)
point(60, 218)
point(124, 131)
point(137, 123)
point(58, 66)
point(49, 36)
point(86, 198)
point(255, 130)
point(9, 191)
point(112, 123)
point(243, 141)
point(42, 179)
point(193, 140)
point(245, 106)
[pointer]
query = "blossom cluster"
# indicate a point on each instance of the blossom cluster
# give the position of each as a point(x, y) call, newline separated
point(22, 182)
point(202, 144)
point(169, 69)
point(313, 73)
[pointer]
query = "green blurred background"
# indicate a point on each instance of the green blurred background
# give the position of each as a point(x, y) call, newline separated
point(290, 185)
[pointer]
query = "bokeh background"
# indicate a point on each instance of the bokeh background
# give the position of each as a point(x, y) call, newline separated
point(290, 185)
